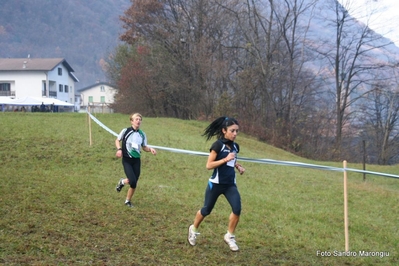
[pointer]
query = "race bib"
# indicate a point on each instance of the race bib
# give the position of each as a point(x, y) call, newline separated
point(135, 146)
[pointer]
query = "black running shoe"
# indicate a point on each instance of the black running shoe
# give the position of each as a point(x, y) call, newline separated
point(120, 185)
point(129, 204)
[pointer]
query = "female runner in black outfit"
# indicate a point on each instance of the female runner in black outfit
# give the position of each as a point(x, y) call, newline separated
point(222, 160)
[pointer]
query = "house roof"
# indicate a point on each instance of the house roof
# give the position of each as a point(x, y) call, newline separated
point(26, 64)
point(96, 84)
point(34, 64)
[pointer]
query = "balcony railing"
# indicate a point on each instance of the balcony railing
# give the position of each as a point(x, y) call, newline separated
point(52, 94)
point(7, 93)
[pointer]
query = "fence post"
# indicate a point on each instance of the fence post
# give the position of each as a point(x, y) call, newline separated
point(88, 115)
point(364, 160)
point(346, 209)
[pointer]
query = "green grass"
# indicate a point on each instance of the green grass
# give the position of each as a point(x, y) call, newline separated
point(58, 205)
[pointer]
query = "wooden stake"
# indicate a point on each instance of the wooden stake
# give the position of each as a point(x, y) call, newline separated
point(346, 209)
point(90, 139)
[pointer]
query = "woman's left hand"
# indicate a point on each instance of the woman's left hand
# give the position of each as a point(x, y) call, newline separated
point(153, 151)
point(240, 169)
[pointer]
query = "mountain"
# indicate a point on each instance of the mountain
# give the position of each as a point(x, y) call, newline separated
point(383, 19)
point(82, 32)
point(381, 51)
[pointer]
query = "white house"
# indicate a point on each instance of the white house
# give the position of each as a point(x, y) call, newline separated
point(98, 97)
point(37, 77)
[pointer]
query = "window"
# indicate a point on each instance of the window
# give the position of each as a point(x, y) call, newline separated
point(59, 71)
point(66, 88)
point(60, 88)
point(5, 86)
point(102, 89)
point(90, 99)
point(103, 99)
point(44, 91)
point(5, 89)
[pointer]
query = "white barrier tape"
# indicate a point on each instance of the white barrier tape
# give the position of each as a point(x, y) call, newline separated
point(314, 166)
point(264, 161)
point(371, 173)
point(287, 163)
point(180, 150)
point(102, 125)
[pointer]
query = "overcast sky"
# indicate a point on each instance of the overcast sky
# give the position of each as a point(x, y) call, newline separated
point(384, 17)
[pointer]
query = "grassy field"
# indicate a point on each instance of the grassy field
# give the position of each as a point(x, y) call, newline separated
point(58, 204)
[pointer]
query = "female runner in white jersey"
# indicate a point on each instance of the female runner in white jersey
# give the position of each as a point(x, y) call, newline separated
point(129, 144)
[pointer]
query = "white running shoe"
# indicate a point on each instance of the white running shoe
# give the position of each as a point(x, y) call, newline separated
point(231, 241)
point(192, 236)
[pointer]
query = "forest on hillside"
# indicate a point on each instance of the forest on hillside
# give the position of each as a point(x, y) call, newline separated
point(82, 32)
point(302, 75)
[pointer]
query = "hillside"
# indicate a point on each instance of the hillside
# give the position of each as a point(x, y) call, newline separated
point(82, 32)
point(59, 205)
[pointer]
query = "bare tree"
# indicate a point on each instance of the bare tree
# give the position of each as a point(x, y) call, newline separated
point(272, 84)
point(293, 18)
point(351, 63)
point(188, 62)
point(380, 113)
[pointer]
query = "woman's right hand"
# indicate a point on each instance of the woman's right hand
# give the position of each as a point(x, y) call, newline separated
point(231, 156)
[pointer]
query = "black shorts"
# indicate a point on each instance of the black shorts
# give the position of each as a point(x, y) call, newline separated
point(132, 168)
point(212, 193)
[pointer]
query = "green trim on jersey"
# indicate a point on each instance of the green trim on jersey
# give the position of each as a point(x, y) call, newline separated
point(132, 143)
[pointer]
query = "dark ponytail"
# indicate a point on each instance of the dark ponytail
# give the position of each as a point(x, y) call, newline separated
point(215, 128)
